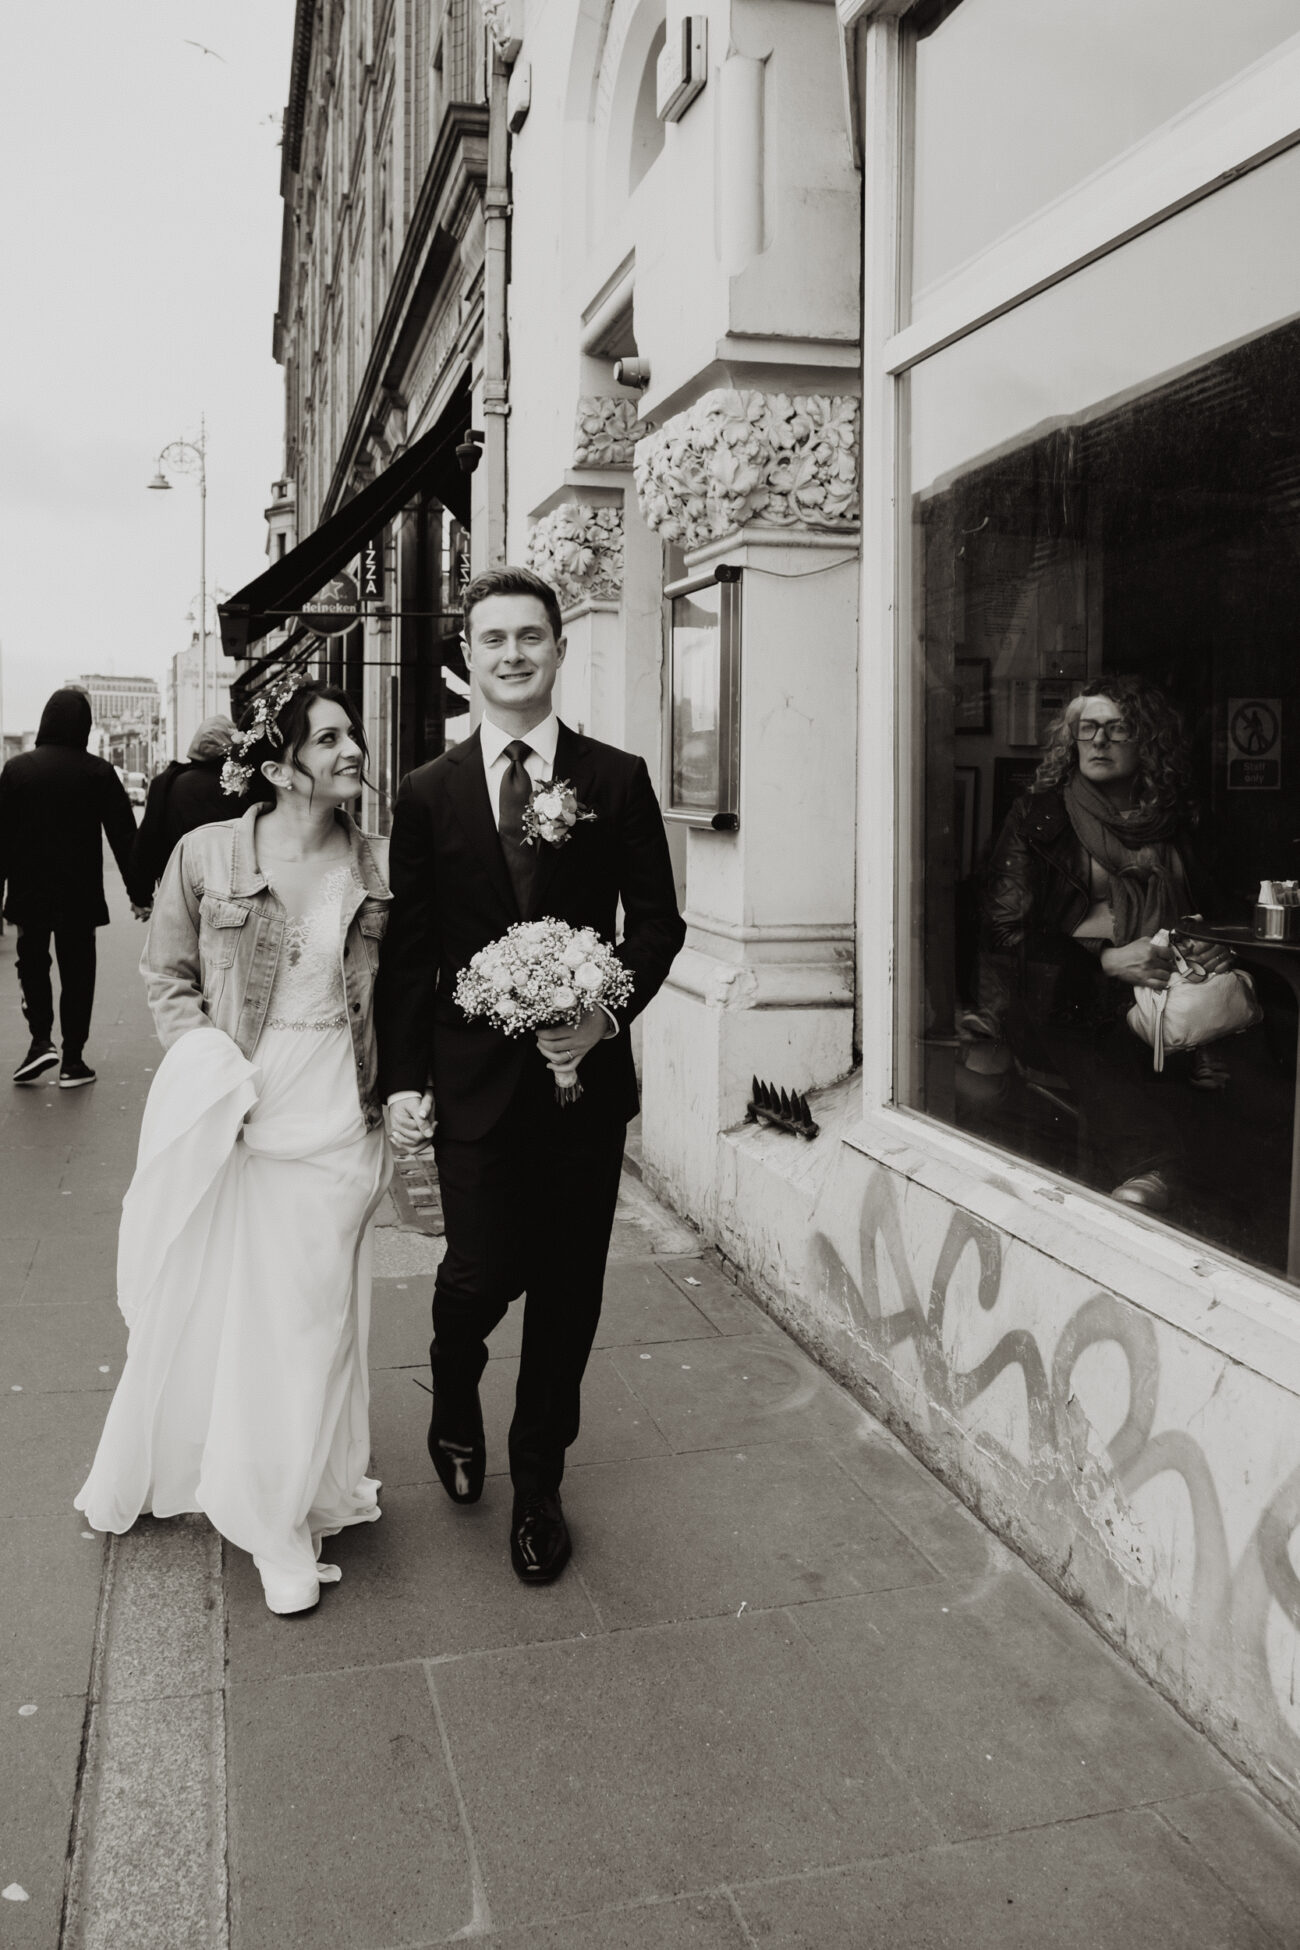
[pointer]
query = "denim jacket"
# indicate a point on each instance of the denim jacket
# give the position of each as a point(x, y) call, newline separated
point(215, 935)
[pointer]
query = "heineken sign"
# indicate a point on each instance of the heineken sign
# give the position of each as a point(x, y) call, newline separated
point(335, 607)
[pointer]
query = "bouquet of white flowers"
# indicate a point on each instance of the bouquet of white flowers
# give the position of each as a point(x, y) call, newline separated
point(543, 975)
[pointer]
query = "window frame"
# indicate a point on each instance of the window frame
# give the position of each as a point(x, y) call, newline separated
point(1254, 118)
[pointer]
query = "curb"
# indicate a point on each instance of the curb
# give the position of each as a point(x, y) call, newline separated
point(147, 1864)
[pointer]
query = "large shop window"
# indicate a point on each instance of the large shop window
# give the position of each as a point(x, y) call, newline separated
point(1018, 102)
point(1104, 698)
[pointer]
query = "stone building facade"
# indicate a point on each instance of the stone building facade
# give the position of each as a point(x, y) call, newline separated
point(380, 331)
point(854, 373)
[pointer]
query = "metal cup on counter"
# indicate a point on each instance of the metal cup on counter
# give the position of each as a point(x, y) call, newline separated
point(1277, 911)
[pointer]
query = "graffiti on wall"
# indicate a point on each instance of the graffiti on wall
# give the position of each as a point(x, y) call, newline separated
point(1240, 1629)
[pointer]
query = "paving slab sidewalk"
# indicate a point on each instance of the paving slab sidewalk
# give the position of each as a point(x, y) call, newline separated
point(790, 1692)
point(67, 1159)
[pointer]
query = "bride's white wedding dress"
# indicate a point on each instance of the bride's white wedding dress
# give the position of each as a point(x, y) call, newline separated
point(244, 1275)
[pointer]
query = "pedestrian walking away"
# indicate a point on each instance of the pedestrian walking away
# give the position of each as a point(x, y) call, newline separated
point(186, 794)
point(57, 803)
point(529, 1181)
point(244, 1254)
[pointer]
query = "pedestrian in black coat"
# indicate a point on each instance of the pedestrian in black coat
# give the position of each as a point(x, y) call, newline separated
point(56, 802)
point(187, 794)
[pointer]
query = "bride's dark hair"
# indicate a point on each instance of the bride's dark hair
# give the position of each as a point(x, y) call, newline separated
point(283, 734)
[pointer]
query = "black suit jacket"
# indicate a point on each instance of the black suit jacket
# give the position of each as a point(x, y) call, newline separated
point(452, 895)
point(55, 802)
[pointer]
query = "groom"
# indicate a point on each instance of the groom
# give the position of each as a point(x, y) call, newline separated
point(528, 1186)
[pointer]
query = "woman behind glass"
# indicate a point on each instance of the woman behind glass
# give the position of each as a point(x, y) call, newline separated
point(1094, 860)
point(244, 1264)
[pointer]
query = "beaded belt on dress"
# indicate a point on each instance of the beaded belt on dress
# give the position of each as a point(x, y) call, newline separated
point(332, 1022)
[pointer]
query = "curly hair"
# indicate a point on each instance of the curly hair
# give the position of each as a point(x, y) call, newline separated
point(287, 731)
point(1164, 762)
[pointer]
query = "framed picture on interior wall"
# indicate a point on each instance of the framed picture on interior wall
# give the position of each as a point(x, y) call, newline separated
point(973, 694)
point(966, 816)
point(702, 729)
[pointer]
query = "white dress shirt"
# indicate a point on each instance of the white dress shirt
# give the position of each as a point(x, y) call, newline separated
point(539, 764)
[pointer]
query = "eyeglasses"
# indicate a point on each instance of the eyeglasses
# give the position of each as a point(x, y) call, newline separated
point(1093, 731)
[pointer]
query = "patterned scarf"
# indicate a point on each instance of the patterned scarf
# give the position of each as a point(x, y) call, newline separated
point(1148, 884)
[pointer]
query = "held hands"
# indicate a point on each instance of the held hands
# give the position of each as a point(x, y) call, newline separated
point(410, 1120)
point(565, 1048)
point(140, 913)
point(1141, 964)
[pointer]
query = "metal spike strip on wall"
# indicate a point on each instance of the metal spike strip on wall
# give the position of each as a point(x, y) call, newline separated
point(785, 1111)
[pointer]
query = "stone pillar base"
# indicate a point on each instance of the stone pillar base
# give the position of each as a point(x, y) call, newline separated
point(776, 1004)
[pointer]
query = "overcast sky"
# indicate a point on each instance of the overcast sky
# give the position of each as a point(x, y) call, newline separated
point(140, 219)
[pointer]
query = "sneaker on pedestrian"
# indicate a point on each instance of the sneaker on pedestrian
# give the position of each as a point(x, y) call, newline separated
point(39, 1058)
point(74, 1073)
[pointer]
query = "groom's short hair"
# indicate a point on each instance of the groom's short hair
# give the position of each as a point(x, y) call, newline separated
point(509, 581)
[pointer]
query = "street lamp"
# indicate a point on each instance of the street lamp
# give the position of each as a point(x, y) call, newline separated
point(191, 457)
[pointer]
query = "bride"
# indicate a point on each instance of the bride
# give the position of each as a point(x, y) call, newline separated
point(244, 1253)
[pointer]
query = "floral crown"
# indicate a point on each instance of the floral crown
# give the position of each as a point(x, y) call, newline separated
point(236, 773)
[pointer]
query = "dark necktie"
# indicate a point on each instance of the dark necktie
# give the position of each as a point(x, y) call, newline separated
point(516, 791)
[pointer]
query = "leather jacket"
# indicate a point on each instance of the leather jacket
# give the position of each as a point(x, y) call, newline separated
point(1034, 972)
point(215, 937)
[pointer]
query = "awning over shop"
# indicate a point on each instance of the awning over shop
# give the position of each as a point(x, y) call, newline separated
point(277, 595)
point(291, 654)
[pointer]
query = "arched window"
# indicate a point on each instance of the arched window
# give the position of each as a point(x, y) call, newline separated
point(647, 129)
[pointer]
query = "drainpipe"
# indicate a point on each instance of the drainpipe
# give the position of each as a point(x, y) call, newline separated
point(496, 403)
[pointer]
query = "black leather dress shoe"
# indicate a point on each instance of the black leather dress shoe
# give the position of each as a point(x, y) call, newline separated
point(539, 1539)
point(461, 1466)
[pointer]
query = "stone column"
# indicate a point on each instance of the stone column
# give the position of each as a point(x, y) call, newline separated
point(578, 547)
point(764, 985)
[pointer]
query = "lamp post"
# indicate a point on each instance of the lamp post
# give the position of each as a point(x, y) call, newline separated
point(191, 457)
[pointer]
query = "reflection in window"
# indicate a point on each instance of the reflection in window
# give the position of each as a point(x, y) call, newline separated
point(1017, 101)
point(1137, 573)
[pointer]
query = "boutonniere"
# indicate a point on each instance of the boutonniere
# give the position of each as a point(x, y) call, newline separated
point(553, 812)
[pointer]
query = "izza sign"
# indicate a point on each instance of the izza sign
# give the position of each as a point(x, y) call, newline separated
point(371, 571)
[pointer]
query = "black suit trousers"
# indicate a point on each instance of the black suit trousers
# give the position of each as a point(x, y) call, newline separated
point(74, 944)
point(529, 1209)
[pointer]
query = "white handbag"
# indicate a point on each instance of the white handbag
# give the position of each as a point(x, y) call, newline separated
point(1196, 1007)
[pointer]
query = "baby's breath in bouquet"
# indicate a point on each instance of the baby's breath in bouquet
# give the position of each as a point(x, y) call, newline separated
point(543, 975)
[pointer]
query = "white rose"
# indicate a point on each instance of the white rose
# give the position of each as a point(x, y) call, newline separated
point(499, 977)
point(563, 998)
point(589, 978)
point(548, 805)
point(575, 954)
point(505, 1006)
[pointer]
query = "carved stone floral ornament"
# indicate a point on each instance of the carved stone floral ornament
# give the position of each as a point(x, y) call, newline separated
point(579, 550)
point(605, 432)
point(735, 457)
